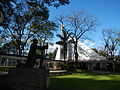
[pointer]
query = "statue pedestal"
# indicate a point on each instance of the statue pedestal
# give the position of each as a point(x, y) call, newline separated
point(28, 78)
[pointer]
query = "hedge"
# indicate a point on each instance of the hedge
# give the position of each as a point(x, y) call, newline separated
point(6, 68)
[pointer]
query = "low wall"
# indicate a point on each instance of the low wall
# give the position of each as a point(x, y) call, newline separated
point(28, 78)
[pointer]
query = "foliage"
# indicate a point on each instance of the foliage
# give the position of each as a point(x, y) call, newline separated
point(55, 3)
point(6, 10)
point(7, 6)
point(111, 43)
point(78, 23)
point(94, 49)
point(27, 22)
point(45, 32)
point(6, 68)
point(9, 48)
point(118, 39)
point(23, 19)
point(52, 54)
point(63, 66)
point(100, 52)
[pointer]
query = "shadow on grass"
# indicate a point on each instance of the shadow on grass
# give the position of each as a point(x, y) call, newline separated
point(4, 82)
point(82, 84)
point(66, 83)
point(71, 82)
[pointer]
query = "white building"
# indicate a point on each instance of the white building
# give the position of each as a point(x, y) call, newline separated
point(86, 56)
point(85, 53)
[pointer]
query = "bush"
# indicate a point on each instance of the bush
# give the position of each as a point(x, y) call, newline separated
point(63, 66)
point(6, 68)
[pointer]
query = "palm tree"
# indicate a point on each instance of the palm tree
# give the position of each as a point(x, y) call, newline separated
point(63, 41)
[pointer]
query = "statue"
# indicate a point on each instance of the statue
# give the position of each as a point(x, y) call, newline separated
point(31, 60)
point(20, 77)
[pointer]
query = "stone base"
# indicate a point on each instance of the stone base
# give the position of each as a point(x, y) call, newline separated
point(28, 78)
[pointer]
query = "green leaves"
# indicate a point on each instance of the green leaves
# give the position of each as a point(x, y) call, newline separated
point(118, 39)
point(27, 19)
point(6, 10)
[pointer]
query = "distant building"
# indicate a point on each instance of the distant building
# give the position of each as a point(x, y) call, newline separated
point(87, 58)
point(10, 59)
point(85, 53)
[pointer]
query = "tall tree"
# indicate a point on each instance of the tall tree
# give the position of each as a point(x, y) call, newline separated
point(79, 23)
point(7, 6)
point(110, 42)
point(55, 3)
point(46, 31)
point(9, 47)
point(27, 21)
point(6, 10)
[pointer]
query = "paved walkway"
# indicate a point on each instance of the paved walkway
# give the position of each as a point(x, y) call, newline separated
point(51, 71)
point(58, 71)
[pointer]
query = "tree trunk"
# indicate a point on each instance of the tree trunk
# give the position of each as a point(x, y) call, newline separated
point(65, 53)
point(19, 51)
point(76, 55)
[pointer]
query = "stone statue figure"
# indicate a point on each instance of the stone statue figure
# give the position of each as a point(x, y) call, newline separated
point(31, 60)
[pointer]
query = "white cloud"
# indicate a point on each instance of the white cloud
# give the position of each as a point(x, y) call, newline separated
point(88, 43)
point(91, 44)
point(85, 41)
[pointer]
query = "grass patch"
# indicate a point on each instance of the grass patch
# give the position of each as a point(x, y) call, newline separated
point(85, 81)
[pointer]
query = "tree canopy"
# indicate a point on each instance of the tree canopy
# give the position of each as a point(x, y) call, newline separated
point(27, 21)
point(78, 23)
point(111, 44)
point(7, 6)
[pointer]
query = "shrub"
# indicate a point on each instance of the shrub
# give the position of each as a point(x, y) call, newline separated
point(6, 68)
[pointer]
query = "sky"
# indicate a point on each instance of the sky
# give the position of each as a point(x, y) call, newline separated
point(106, 11)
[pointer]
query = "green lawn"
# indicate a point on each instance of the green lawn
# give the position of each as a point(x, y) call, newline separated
point(85, 81)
